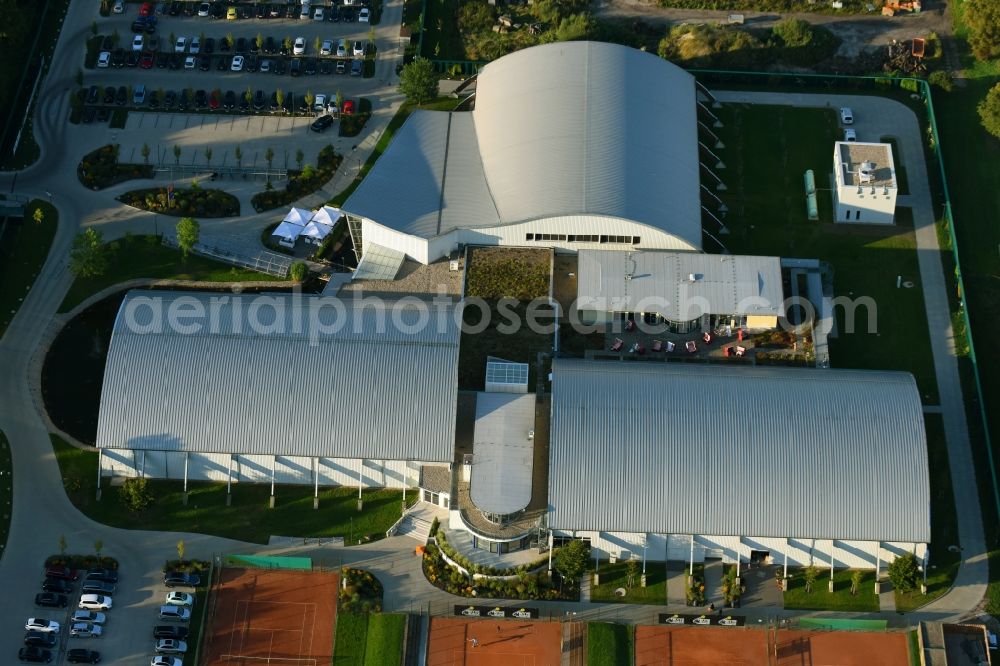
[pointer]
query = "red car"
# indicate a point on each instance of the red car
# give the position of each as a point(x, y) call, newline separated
point(147, 60)
point(147, 9)
point(348, 109)
point(213, 101)
point(61, 572)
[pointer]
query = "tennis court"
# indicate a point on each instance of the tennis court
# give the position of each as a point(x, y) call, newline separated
point(463, 642)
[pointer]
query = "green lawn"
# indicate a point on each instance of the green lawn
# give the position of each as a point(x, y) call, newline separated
point(144, 257)
point(768, 150)
point(24, 247)
point(944, 531)
point(610, 644)
point(614, 576)
point(440, 104)
point(796, 597)
point(6, 491)
point(351, 639)
point(248, 519)
point(385, 640)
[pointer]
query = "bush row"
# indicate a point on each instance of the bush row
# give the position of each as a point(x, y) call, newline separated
point(193, 201)
point(75, 561)
point(300, 183)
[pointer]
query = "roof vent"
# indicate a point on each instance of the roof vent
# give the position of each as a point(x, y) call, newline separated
point(694, 277)
point(453, 265)
point(531, 435)
point(867, 172)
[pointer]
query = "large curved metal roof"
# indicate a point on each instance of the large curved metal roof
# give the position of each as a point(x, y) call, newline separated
point(680, 448)
point(559, 130)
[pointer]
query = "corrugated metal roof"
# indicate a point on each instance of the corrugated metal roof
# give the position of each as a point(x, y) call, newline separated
point(626, 281)
point(380, 387)
point(610, 131)
point(502, 453)
point(706, 449)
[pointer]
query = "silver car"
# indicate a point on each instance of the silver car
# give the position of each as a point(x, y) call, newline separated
point(170, 646)
point(86, 630)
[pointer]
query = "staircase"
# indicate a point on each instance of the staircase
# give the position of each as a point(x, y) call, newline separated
point(415, 527)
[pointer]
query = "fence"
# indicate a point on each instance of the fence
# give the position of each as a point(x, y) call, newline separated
point(921, 90)
point(265, 262)
point(213, 172)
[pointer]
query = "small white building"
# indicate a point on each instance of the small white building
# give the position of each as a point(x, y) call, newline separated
point(865, 183)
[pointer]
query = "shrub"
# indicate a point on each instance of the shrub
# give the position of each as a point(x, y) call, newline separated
point(989, 111)
point(135, 494)
point(794, 32)
point(298, 271)
point(941, 79)
point(904, 572)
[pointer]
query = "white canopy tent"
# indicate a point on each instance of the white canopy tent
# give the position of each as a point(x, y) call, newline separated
point(299, 216)
point(315, 232)
point(287, 233)
point(327, 215)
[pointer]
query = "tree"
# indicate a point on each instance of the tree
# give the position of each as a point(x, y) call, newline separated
point(856, 577)
point(982, 17)
point(317, 42)
point(269, 156)
point(941, 79)
point(631, 572)
point(230, 40)
point(287, 44)
point(62, 544)
point(248, 94)
point(38, 215)
point(98, 546)
point(811, 574)
point(180, 550)
point(177, 154)
point(279, 97)
point(339, 100)
point(259, 41)
point(188, 232)
point(570, 561)
point(793, 32)
point(298, 271)
point(238, 154)
point(208, 155)
point(135, 494)
point(989, 111)
point(89, 255)
point(144, 151)
point(299, 156)
point(418, 81)
point(309, 98)
point(903, 572)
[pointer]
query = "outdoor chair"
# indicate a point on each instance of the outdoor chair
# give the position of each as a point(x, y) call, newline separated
point(670, 346)
point(691, 346)
point(617, 346)
point(657, 346)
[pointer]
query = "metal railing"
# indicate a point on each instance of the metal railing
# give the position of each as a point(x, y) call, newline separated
point(264, 262)
point(213, 172)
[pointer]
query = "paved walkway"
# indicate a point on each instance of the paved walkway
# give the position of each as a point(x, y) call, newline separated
point(877, 117)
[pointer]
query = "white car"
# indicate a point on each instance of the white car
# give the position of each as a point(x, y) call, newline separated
point(850, 134)
point(137, 42)
point(299, 47)
point(89, 616)
point(170, 646)
point(364, 15)
point(319, 105)
point(98, 602)
point(41, 624)
point(325, 49)
point(359, 48)
point(318, 14)
point(204, 9)
point(190, 62)
point(846, 115)
point(104, 59)
point(237, 65)
point(195, 45)
point(86, 630)
point(179, 598)
point(180, 45)
point(163, 660)
point(265, 66)
point(119, 7)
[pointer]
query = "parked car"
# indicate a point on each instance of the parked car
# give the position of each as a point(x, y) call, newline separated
point(86, 630)
point(57, 585)
point(237, 65)
point(359, 48)
point(200, 99)
point(180, 45)
point(850, 134)
point(83, 656)
point(299, 46)
point(147, 60)
point(103, 59)
point(34, 655)
point(231, 14)
point(318, 14)
point(846, 115)
point(309, 66)
point(326, 48)
point(41, 624)
point(170, 99)
point(204, 9)
point(147, 9)
point(341, 67)
point(109, 95)
point(194, 45)
point(164, 660)
point(90, 616)
point(357, 67)
point(214, 102)
point(321, 124)
point(107, 575)
point(175, 613)
point(170, 646)
point(175, 9)
point(119, 7)
point(325, 67)
point(93, 96)
point(39, 639)
point(365, 15)
point(138, 42)
point(229, 102)
point(121, 96)
point(95, 602)
point(259, 100)
point(132, 59)
point(348, 107)
point(170, 631)
point(240, 47)
point(295, 68)
point(209, 46)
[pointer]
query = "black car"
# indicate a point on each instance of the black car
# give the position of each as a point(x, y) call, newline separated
point(228, 102)
point(190, 8)
point(259, 100)
point(289, 105)
point(175, 61)
point(310, 66)
point(39, 638)
point(274, 106)
point(304, 106)
point(217, 11)
point(279, 67)
point(321, 123)
point(87, 117)
point(83, 656)
point(50, 600)
point(225, 46)
point(295, 69)
point(170, 631)
point(205, 63)
point(224, 63)
point(274, 10)
point(241, 46)
point(35, 655)
point(107, 43)
point(138, 26)
point(169, 100)
point(93, 94)
point(103, 113)
point(106, 575)
point(268, 46)
point(335, 14)
point(162, 59)
point(260, 11)
point(245, 11)
point(57, 585)
point(153, 99)
point(200, 99)
point(252, 64)
point(175, 9)
point(209, 46)
point(184, 100)
point(325, 67)
point(118, 58)
point(253, 47)
point(132, 60)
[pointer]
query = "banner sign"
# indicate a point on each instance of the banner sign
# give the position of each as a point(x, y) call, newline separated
point(497, 612)
point(703, 620)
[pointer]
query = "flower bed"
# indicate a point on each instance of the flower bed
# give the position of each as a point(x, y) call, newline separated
point(200, 567)
point(193, 201)
point(82, 562)
point(300, 183)
point(100, 169)
point(360, 591)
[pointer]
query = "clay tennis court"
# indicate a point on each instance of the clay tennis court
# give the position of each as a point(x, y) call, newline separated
point(721, 646)
point(517, 643)
point(272, 618)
